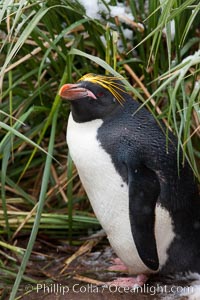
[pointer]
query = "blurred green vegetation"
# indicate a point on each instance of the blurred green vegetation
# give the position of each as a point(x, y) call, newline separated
point(38, 42)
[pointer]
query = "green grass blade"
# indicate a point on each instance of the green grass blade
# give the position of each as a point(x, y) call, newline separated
point(42, 197)
point(6, 156)
point(20, 135)
point(25, 34)
point(45, 180)
point(194, 14)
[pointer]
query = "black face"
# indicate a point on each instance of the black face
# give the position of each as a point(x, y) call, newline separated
point(88, 108)
point(90, 101)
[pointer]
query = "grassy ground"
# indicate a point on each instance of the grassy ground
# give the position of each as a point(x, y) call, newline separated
point(44, 44)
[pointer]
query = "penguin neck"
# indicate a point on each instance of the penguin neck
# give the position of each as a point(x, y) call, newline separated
point(82, 115)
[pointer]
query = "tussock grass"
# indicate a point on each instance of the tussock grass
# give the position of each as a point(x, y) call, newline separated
point(46, 43)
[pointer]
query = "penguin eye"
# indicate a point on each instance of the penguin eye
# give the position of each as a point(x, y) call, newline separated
point(100, 94)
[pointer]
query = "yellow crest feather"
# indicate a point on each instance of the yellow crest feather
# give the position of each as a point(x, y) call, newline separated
point(109, 83)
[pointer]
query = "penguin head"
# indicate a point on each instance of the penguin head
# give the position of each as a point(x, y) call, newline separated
point(94, 96)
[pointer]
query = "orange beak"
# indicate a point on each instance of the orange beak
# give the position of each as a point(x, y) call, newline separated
point(74, 92)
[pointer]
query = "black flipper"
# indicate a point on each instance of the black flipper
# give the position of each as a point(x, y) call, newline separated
point(144, 189)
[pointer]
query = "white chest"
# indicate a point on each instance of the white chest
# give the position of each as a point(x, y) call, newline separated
point(108, 195)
